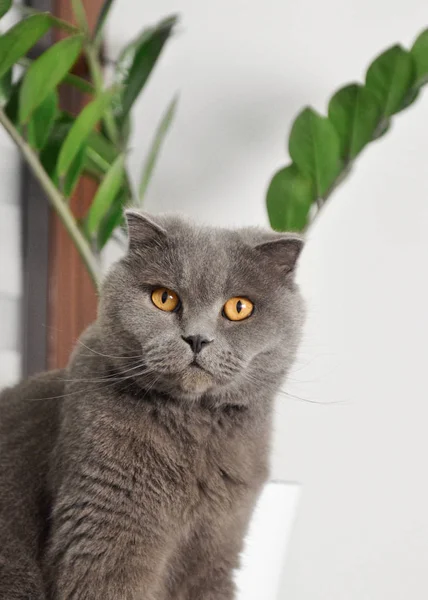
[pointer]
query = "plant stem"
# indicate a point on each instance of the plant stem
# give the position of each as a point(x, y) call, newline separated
point(95, 67)
point(91, 51)
point(92, 54)
point(80, 15)
point(321, 202)
point(55, 198)
point(111, 127)
point(97, 77)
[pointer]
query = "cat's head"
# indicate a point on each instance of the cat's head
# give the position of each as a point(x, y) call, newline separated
point(202, 311)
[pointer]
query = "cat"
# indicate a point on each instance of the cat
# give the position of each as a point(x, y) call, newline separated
point(132, 474)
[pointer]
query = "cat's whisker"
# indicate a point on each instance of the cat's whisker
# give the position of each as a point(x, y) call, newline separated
point(151, 386)
point(62, 396)
point(262, 380)
point(78, 341)
point(106, 355)
point(117, 375)
point(302, 399)
point(119, 378)
point(106, 383)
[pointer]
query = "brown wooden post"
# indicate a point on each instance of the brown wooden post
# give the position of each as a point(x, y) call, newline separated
point(72, 298)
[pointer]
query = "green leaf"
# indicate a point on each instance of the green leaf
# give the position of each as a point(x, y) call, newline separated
point(100, 154)
point(6, 88)
point(105, 9)
point(289, 199)
point(419, 52)
point(12, 105)
point(126, 130)
point(11, 108)
point(314, 146)
point(94, 166)
point(80, 131)
point(135, 64)
point(18, 40)
point(45, 73)
point(80, 15)
point(383, 127)
point(74, 172)
point(60, 24)
point(155, 147)
point(411, 97)
point(355, 113)
point(79, 83)
point(105, 195)
point(391, 77)
point(113, 219)
point(42, 121)
point(50, 152)
point(4, 7)
point(55, 21)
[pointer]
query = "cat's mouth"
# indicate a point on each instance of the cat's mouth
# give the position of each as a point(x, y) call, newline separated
point(195, 363)
point(195, 379)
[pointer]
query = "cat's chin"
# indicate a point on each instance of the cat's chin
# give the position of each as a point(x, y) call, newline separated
point(195, 381)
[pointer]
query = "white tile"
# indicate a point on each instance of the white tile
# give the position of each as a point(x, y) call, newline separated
point(10, 368)
point(266, 542)
point(113, 251)
point(10, 174)
point(10, 251)
point(9, 323)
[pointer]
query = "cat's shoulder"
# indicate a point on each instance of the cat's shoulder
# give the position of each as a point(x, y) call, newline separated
point(40, 394)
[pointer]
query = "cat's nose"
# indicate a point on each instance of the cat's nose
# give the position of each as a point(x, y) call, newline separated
point(196, 342)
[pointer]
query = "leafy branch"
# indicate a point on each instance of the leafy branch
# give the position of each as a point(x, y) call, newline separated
point(54, 196)
point(323, 149)
point(60, 148)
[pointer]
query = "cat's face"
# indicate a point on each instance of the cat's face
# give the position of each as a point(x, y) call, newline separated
point(209, 311)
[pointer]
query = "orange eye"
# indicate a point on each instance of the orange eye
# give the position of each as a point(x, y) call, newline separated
point(238, 309)
point(165, 299)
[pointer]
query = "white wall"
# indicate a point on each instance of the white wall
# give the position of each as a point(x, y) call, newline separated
point(10, 256)
point(359, 446)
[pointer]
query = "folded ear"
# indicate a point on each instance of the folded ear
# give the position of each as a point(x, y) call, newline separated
point(143, 230)
point(282, 252)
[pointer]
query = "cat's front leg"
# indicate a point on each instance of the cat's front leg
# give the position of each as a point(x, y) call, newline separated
point(212, 554)
point(211, 560)
point(92, 558)
point(107, 540)
point(213, 584)
point(111, 533)
point(204, 585)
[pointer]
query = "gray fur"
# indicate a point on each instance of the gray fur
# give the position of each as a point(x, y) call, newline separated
point(132, 474)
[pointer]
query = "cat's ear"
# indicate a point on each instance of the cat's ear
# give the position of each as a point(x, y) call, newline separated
point(282, 252)
point(143, 230)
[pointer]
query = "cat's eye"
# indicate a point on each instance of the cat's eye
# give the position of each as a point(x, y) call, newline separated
point(165, 299)
point(238, 309)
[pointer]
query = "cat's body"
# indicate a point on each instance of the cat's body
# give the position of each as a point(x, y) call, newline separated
point(132, 474)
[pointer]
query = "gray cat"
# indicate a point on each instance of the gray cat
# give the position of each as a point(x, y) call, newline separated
point(133, 473)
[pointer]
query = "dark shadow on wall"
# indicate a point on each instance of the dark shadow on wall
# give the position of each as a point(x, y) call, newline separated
point(35, 253)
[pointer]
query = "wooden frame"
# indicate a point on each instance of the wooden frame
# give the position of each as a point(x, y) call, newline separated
point(59, 298)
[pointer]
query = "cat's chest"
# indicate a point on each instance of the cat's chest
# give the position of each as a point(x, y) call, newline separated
point(185, 464)
point(196, 465)
point(218, 481)
point(218, 467)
